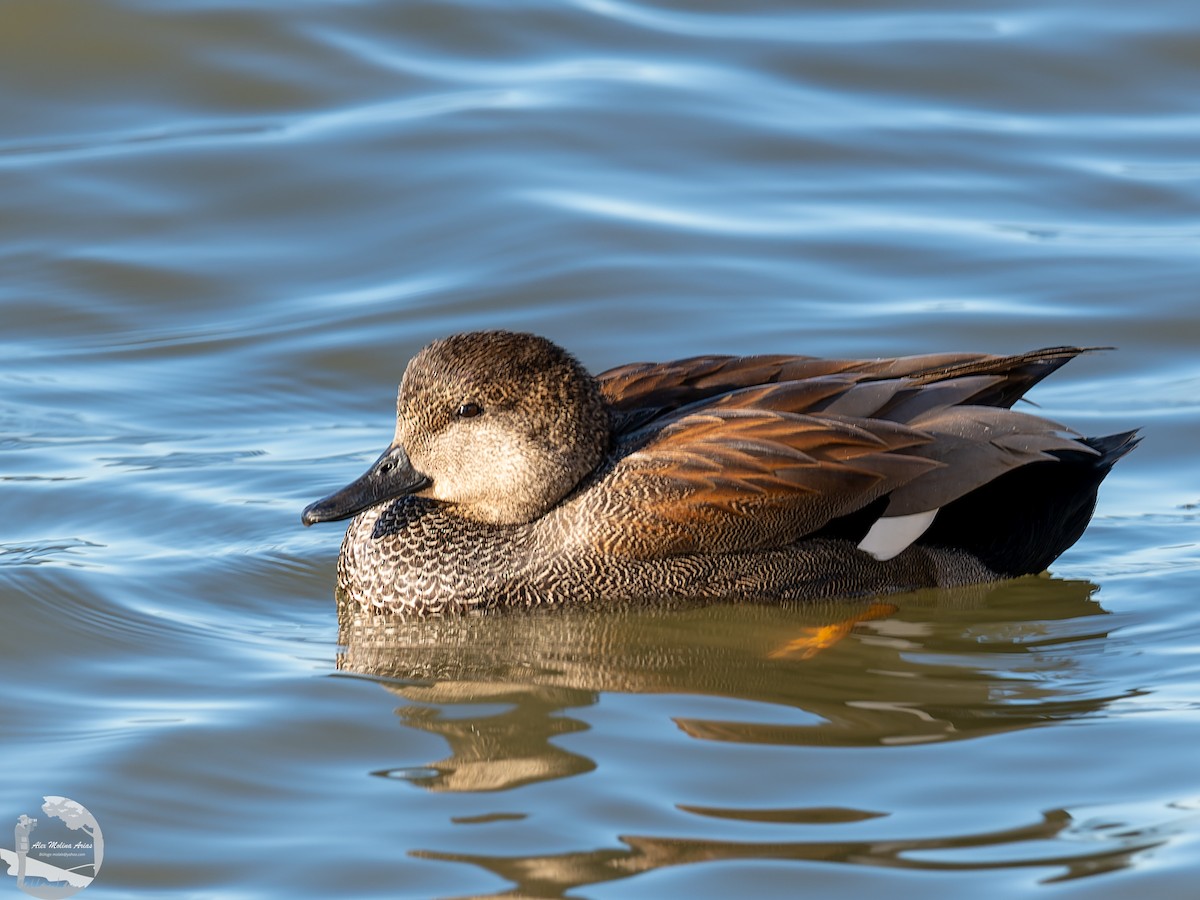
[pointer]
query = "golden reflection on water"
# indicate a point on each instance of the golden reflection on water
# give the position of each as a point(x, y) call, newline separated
point(553, 876)
point(935, 666)
point(944, 665)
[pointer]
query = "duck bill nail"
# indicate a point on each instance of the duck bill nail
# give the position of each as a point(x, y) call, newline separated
point(390, 476)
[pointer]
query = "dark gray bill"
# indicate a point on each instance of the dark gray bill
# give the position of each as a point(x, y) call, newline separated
point(390, 476)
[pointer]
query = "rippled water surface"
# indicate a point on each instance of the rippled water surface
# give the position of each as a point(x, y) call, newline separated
point(224, 228)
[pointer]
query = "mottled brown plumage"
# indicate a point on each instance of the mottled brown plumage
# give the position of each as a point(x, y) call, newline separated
point(517, 479)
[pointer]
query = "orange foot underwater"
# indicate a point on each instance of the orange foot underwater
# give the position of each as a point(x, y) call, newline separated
point(813, 640)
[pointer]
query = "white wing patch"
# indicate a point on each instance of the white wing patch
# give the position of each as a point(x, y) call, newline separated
point(891, 534)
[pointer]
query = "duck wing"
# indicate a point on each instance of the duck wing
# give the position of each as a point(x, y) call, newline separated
point(640, 393)
point(730, 479)
point(715, 468)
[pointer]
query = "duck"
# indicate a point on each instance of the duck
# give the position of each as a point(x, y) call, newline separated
point(517, 479)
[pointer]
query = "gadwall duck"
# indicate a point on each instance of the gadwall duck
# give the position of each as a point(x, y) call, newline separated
point(517, 479)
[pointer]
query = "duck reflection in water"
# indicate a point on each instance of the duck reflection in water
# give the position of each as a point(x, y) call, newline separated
point(961, 664)
point(943, 666)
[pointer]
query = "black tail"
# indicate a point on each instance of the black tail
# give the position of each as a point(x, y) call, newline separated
point(1022, 521)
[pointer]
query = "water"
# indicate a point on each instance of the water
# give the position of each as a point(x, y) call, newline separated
point(225, 227)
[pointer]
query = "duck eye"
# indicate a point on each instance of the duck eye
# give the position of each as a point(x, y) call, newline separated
point(469, 410)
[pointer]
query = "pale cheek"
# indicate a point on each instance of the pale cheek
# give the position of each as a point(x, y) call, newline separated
point(481, 464)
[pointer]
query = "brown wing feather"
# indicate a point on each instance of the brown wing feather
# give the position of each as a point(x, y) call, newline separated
point(641, 392)
point(731, 453)
point(728, 479)
point(895, 399)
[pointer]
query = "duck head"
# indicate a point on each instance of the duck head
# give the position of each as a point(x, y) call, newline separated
point(500, 426)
